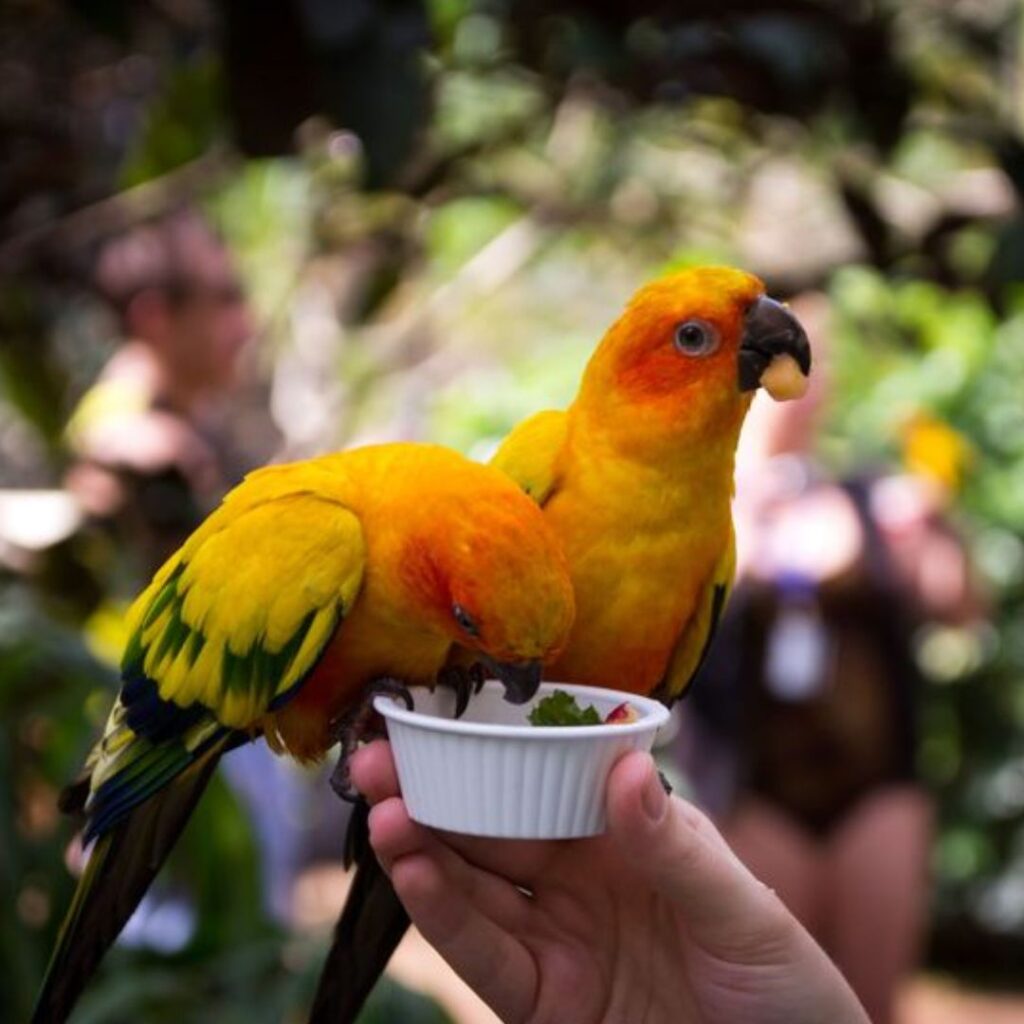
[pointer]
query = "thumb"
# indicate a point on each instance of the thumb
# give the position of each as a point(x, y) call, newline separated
point(685, 859)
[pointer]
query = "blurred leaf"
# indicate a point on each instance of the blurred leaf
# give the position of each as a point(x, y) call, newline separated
point(460, 228)
point(182, 123)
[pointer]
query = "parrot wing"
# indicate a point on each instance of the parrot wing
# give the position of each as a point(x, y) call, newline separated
point(529, 455)
point(692, 646)
point(229, 628)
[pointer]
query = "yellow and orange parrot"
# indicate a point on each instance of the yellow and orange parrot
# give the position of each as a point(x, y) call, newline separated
point(636, 476)
point(636, 479)
point(312, 583)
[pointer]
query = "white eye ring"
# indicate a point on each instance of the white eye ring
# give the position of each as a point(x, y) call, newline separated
point(696, 338)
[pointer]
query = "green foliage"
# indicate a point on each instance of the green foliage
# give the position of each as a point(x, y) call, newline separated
point(261, 980)
point(30, 377)
point(459, 229)
point(390, 1003)
point(184, 122)
point(561, 708)
point(45, 675)
point(901, 348)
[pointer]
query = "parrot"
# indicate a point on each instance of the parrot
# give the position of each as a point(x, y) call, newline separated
point(636, 479)
point(636, 476)
point(312, 586)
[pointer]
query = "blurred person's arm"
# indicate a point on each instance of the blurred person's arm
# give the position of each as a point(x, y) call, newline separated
point(148, 443)
point(115, 430)
point(145, 472)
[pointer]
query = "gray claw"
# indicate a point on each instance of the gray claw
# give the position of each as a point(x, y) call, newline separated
point(464, 681)
point(358, 725)
point(341, 782)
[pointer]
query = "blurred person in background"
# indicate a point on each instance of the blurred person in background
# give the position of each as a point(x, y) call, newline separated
point(802, 737)
point(149, 439)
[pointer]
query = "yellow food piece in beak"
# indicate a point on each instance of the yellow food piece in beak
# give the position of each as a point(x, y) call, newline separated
point(784, 380)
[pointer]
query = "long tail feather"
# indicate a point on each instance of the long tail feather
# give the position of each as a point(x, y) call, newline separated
point(123, 864)
point(371, 925)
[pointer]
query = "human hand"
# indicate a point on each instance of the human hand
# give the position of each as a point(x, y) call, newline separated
point(656, 920)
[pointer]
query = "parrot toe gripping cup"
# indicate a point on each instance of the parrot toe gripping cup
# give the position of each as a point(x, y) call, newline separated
point(492, 773)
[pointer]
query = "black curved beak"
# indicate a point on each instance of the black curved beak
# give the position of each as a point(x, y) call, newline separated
point(520, 679)
point(770, 330)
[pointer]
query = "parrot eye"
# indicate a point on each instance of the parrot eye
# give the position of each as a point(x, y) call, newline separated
point(696, 338)
point(465, 620)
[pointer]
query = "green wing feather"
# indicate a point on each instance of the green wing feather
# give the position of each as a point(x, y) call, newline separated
point(692, 647)
point(248, 605)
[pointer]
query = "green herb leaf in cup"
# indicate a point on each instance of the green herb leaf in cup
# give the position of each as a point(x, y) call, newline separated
point(561, 709)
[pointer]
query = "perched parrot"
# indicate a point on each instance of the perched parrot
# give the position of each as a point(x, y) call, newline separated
point(312, 584)
point(636, 478)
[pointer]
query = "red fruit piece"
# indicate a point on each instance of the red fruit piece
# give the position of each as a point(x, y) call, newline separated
point(621, 715)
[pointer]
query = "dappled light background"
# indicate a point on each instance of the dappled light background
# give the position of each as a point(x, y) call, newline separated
point(433, 208)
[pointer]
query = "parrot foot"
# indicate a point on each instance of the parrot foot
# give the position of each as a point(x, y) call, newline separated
point(391, 688)
point(361, 725)
point(665, 784)
point(464, 681)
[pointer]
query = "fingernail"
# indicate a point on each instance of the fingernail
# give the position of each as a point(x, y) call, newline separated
point(654, 797)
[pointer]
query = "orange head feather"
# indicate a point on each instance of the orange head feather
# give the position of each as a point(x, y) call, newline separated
point(684, 359)
point(492, 572)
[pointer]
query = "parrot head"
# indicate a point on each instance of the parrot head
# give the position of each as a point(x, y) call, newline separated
point(688, 353)
point(499, 586)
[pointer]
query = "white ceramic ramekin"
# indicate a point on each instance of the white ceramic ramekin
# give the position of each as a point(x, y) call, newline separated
point(492, 773)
